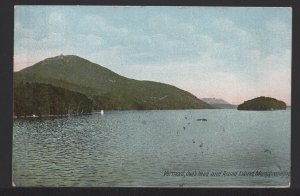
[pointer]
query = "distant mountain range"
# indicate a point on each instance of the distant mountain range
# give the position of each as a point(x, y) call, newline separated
point(214, 101)
point(219, 103)
point(80, 86)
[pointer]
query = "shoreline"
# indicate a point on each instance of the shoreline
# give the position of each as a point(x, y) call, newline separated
point(59, 115)
point(99, 112)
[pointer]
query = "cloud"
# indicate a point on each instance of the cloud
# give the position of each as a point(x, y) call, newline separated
point(56, 18)
point(278, 27)
point(230, 32)
point(95, 24)
point(275, 75)
point(279, 35)
point(22, 32)
point(233, 42)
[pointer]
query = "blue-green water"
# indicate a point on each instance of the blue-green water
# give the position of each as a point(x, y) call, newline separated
point(139, 148)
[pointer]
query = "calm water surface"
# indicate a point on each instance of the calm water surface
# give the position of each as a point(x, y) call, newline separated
point(138, 148)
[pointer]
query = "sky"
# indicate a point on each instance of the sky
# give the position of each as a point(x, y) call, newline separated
point(219, 52)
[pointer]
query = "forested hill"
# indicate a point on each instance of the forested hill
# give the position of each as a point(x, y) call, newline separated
point(106, 89)
point(45, 99)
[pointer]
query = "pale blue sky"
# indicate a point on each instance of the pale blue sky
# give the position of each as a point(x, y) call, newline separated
point(230, 53)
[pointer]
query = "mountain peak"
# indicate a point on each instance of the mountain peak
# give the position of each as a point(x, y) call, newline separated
point(63, 57)
point(65, 63)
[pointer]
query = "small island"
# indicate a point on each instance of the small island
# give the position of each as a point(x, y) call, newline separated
point(262, 104)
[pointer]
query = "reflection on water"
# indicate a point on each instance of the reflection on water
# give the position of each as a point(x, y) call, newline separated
point(136, 148)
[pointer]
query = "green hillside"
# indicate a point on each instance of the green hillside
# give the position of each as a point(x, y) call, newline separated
point(106, 89)
point(44, 99)
point(262, 103)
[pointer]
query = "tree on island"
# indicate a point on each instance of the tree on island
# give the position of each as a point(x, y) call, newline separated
point(262, 104)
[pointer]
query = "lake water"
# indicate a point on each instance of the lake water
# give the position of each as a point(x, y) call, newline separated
point(154, 148)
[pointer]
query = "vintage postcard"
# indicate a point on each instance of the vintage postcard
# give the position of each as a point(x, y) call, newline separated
point(129, 96)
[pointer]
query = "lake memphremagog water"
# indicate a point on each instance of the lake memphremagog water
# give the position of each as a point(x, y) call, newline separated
point(169, 148)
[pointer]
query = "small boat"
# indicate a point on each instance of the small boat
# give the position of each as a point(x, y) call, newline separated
point(102, 112)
